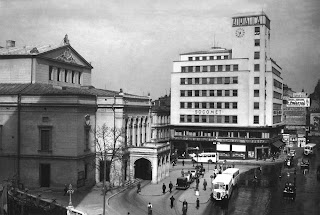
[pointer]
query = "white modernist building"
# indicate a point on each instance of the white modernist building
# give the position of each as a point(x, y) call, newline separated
point(229, 100)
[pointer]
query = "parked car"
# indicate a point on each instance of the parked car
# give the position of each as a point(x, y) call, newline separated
point(289, 191)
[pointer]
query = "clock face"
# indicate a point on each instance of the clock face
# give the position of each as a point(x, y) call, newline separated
point(240, 32)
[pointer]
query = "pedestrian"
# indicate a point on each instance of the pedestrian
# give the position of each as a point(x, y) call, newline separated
point(182, 162)
point(172, 200)
point(204, 184)
point(164, 188)
point(138, 187)
point(182, 173)
point(149, 209)
point(170, 186)
point(184, 205)
point(65, 189)
point(197, 203)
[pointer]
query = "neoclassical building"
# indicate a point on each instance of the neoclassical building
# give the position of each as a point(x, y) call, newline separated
point(49, 118)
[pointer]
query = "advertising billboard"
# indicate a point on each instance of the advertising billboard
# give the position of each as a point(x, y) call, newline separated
point(298, 102)
point(315, 124)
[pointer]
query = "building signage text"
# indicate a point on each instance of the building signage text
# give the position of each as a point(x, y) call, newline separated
point(298, 102)
point(207, 112)
point(247, 21)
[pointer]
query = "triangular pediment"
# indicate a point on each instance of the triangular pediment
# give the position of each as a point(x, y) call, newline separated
point(66, 54)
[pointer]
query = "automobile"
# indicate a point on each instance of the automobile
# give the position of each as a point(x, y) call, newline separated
point(193, 173)
point(200, 169)
point(182, 183)
point(289, 191)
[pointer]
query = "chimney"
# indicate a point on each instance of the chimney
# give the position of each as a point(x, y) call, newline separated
point(10, 43)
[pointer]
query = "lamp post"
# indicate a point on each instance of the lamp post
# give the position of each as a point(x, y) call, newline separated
point(70, 192)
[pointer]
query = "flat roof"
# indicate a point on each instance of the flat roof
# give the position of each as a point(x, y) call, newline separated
point(222, 178)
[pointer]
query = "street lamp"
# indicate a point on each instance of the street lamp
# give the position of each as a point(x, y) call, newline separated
point(70, 192)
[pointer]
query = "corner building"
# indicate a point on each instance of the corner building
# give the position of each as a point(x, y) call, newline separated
point(229, 100)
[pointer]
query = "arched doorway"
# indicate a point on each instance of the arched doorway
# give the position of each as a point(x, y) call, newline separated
point(143, 169)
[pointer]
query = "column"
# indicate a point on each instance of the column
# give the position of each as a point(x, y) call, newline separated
point(134, 132)
point(143, 125)
point(138, 131)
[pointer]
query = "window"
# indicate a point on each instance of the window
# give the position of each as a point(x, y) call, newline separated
point(181, 105)
point(79, 77)
point(189, 93)
point(235, 67)
point(87, 137)
point(182, 118)
point(255, 119)
point(256, 105)
point(227, 67)
point(196, 80)
point(189, 104)
point(189, 118)
point(66, 76)
point(196, 118)
point(196, 93)
point(211, 119)
point(219, 119)
point(227, 80)
point(197, 68)
point(204, 105)
point(72, 77)
point(183, 69)
point(256, 93)
point(211, 92)
point(204, 58)
point(226, 105)
point(50, 73)
point(86, 170)
point(212, 68)
point(189, 80)
point(219, 92)
point(190, 58)
point(45, 138)
point(211, 80)
point(256, 55)
point(211, 58)
point(235, 80)
point(218, 57)
point(234, 105)
point(227, 93)
point(234, 119)
point(219, 105)
point(190, 69)
point(204, 93)
point(196, 105)
point(257, 42)
point(204, 81)
point(220, 68)
point(257, 67)
point(182, 93)
point(203, 118)
point(234, 92)
point(204, 69)
point(256, 80)
point(257, 31)
point(226, 57)
point(197, 58)
point(211, 105)
point(219, 80)
point(182, 81)
point(226, 119)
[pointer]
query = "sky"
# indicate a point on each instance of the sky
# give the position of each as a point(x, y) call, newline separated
point(132, 43)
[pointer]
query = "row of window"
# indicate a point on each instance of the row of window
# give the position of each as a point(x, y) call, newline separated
point(277, 95)
point(209, 119)
point(213, 80)
point(216, 57)
point(212, 68)
point(277, 84)
point(64, 75)
point(204, 93)
point(209, 105)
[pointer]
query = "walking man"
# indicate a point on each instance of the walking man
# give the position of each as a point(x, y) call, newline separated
point(197, 203)
point(149, 209)
point(164, 188)
point(184, 207)
point(182, 162)
point(204, 184)
point(182, 173)
point(170, 186)
point(172, 200)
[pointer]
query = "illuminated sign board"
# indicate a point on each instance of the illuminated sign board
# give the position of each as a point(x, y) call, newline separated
point(298, 102)
point(250, 20)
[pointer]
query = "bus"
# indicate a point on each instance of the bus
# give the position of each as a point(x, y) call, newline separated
point(222, 187)
point(309, 148)
point(206, 157)
point(235, 173)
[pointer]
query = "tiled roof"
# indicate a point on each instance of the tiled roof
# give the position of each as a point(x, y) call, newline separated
point(48, 89)
point(28, 50)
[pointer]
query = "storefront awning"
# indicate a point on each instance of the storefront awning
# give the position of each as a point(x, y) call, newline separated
point(278, 143)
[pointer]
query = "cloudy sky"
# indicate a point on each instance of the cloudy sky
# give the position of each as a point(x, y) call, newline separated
point(133, 43)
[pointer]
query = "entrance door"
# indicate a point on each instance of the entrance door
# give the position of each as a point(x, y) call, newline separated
point(143, 169)
point(44, 175)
